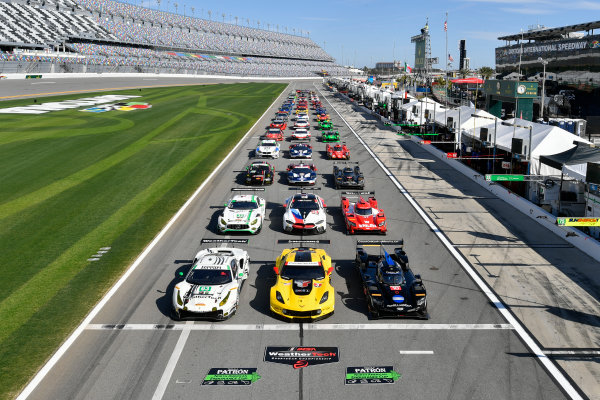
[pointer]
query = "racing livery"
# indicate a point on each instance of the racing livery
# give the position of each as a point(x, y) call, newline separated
point(303, 288)
point(337, 152)
point(362, 215)
point(325, 125)
point(212, 286)
point(304, 212)
point(330, 136)
point(243, 213)
point(260, 172)
point(274, 134)
point(345, 176)
point(267, 148)
point(278, 123)
point(302, 174)
point(300, 150)
point(391, 288)
point(301, 134)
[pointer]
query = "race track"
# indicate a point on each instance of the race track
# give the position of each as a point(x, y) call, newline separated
point(132, 349)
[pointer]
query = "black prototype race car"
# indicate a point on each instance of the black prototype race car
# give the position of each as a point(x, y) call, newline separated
point(259, 173)
point(346, 177)
point(391, 288)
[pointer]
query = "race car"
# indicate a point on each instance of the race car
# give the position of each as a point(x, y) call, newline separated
point(267, 148)
point(322, 117)
point(243, 213)
point(301, 134)
point(391, 288)
point(330, 136)
point(301, 124)
point(302, 174)
point(274, 134)
point(303, 288)
point(260, 172)
point(282, 115)
point(278, 123)
point(325, 125)
point(337, 152)
point(304, 212)
point(300, 150)
point(362, 215)
point(347, 177)
point(212, 286)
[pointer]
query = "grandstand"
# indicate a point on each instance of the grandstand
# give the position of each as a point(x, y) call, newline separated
point(109, 36)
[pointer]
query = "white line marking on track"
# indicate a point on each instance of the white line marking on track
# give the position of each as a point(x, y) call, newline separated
point(71, 339)
point(293, 327)
point(168, 372)
point(416, 352)
point(42, 83)
point(527, 339)
point(578, 353)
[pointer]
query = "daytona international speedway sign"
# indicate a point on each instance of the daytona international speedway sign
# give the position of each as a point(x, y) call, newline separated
point(64, 105)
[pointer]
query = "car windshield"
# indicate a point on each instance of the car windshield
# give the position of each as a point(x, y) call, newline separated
point(305, 204)
point(209, 277)
point(337, 148)
point(301, 147)
point(268, 144)
point(301, 170)
point(362, 211)
point(261, 169)
point(303, 272)
point(395, 278)
point(243, 205)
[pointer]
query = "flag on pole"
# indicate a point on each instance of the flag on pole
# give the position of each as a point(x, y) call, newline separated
point(445, 26)
point(407, 68)
point(450, 58)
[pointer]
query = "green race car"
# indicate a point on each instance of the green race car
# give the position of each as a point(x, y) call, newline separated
point(330, 136)
point(325, 126)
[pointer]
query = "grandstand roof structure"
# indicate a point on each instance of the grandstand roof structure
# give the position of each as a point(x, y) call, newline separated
point(552, 33)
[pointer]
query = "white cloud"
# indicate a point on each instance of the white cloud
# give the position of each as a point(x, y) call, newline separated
point(529, 11)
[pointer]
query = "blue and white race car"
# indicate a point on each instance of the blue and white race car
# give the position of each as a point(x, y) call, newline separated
point(300, 150)
point(267, 148)
point(302, 174)
point(304, 212)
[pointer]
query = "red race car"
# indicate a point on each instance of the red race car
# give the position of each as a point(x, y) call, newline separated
point(322, 117)
point(363, 215)
point(274, 134)
point(278, 123)
point(337, 152)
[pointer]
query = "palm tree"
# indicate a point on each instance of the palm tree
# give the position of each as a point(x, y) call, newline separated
point(486, 72)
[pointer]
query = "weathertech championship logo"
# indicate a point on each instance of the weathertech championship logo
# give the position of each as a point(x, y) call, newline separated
point(131, 106)
point(300, 357)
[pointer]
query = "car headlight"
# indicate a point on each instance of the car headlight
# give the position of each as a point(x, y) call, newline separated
point(324, 298)
point(295, 175)
point(421, 301)
point(222, 221)
point(222, 302)
point(351, 223)
point(360, 178)
point(254, 222)
point(279, 297)
point(320, 221)
point(180, 302)
point(288, 221)
point(382, 223)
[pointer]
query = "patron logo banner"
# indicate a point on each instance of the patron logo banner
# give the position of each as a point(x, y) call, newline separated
point(65, 105)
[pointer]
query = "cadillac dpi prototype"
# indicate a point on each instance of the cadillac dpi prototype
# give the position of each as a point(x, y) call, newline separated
point(303, 288)
point(362, 215)
point(304, 212)
point(391, 288)
point(243, 213)
point(212, 286)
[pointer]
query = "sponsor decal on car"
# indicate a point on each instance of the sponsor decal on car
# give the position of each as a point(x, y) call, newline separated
point(231, 376)
point(301, 357)
point(369, 375)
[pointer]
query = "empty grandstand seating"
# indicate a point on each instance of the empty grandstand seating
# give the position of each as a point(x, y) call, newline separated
point(110, 33)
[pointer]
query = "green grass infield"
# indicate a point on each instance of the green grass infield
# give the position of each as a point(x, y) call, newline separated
point(73, 182)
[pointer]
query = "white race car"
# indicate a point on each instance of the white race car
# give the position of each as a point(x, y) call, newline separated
point(304, 212)
point(301, 124)
point(301, 134)
point(243, 213)
point(212, 286)
point(267, 148)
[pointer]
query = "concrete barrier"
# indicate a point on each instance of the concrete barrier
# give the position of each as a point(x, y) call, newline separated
point(151, 75)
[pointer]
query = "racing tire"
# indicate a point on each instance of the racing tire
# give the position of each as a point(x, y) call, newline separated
point(175, 315)
point(373, 312)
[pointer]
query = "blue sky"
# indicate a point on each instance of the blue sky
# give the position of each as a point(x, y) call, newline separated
point(364, 32)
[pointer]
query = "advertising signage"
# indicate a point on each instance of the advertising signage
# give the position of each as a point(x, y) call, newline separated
point(511, 89)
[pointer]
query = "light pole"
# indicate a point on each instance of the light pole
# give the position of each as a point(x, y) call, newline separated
point(544, 63)
point(530, 127)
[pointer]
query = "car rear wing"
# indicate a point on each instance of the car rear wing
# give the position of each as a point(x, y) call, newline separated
point(345, 163)
point(219, 240)
point(355, 195)
point(249, 189)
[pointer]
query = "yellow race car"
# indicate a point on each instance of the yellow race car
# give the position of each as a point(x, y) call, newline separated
point(303, 289)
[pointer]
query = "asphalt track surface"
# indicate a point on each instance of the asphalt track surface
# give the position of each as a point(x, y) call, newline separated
point(133, 350)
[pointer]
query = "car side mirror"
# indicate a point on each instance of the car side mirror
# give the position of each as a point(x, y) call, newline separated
point(180, 273)
point(330, 270)
point(276, 270)
point(225, 204)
